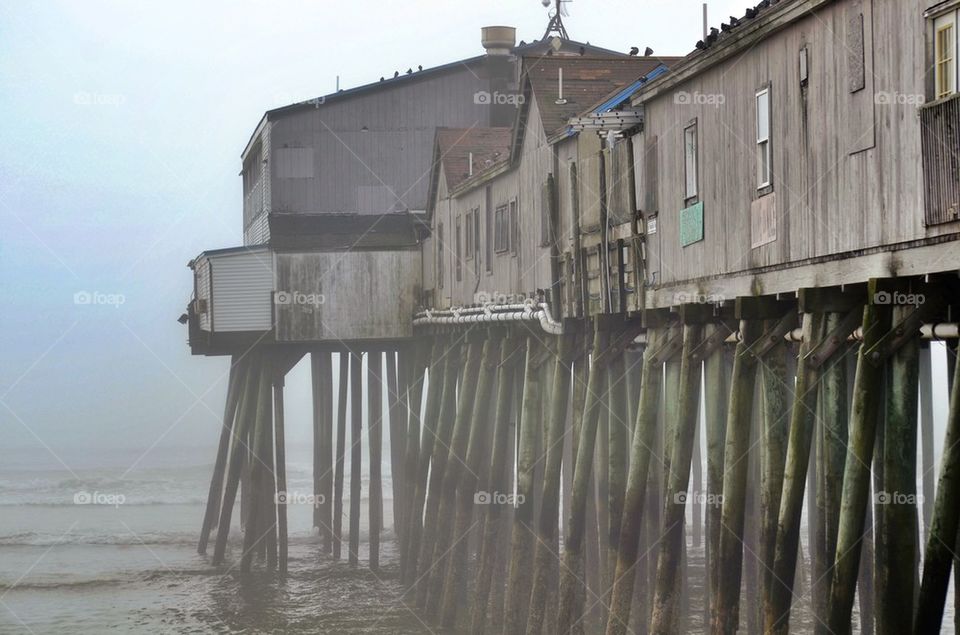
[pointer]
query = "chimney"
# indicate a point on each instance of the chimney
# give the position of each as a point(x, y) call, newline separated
point(500, 70)
point(498, 40)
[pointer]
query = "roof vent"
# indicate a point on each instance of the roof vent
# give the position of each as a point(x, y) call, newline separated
point(498, 40)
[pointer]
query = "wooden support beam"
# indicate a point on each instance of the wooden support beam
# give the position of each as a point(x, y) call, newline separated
point(498, 482)
point(450, 411)
point(238, 453)
point(444, 359)
point(802, 423)
point(857, 473)
point(253, 533)
point(478, 356)
point(944, 525)
point(453, 587)
point(418, 359)
point(396, 406)
point(343, 382)
point(375, 439)
point(716, 376)
point(777, 373)
point(356, 447)
point(677, 482)
point(280, 461)
point(238, 370)
point(645, 430)
point(735, 471)
point(523, 532)
point(546, 529)
point(570, 605)
point(833, 435)
point(618, 443)
point(928, 475)
point(897, 548)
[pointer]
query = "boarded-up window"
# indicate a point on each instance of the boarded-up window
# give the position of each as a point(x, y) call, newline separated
point(488, 230)
point(294, 163)
point(468, 237)
point(501, 241)
point(441, 248)
point(458, 253)
point(514, 227)
point(856, 76)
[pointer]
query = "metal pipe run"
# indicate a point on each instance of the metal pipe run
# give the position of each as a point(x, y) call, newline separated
point(936, 332)
point(526, 312)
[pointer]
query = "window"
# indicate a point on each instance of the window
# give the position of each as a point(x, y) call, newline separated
point(514, 227)
point(501, 240)
point(690, 161)
point(488, 229)
point(476, 232)
point(441, 248)
point(764, 172)
point(468, 236)
point(945, 49)
point(457, 254)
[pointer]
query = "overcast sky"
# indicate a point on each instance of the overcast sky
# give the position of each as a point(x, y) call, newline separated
point(123, 125)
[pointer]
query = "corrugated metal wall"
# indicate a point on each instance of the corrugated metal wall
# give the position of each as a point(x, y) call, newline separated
point(242, 291)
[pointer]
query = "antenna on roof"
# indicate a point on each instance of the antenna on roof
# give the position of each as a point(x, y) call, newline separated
point(556, 20)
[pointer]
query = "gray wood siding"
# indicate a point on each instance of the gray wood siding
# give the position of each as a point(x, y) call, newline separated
point(846, 166)
point(510, 275)
point(384, 168)
point(347, 295)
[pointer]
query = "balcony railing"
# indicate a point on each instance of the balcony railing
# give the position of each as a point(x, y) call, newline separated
point(940, 132)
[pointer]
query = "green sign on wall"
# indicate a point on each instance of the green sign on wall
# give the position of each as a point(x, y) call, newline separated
point(691, 224)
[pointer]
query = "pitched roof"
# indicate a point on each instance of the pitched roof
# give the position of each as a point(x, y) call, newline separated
point(456, 146)
point(586, 81)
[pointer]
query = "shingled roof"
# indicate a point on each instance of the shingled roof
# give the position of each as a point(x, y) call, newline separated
point(586, 81)
point(487, 146)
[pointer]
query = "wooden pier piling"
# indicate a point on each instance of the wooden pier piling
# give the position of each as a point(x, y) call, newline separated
point(238, 369)
point(375, 439)
point(343, 382)
point(356, 439)
point(677, 481)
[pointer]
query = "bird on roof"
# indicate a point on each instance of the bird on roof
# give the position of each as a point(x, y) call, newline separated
point(701, 45)
point(419, 67)
point(582, 50)
point(396, 74)
point(634, 50)
point(647, 52)
point(381, 78)
point(409, 70)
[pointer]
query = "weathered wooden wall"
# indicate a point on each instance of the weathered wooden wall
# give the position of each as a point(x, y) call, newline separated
point(846, 165)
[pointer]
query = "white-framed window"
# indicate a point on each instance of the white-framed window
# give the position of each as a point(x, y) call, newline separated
point(945, 55)
point(459, 253)
point(514, 227)
point(690, 189)
point(764, 155)
point(501, 240)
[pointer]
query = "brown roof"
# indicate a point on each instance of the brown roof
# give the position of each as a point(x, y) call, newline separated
point(586, 81)
point(489, 146)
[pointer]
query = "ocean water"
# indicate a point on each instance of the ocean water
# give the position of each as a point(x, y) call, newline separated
point(126, 562)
